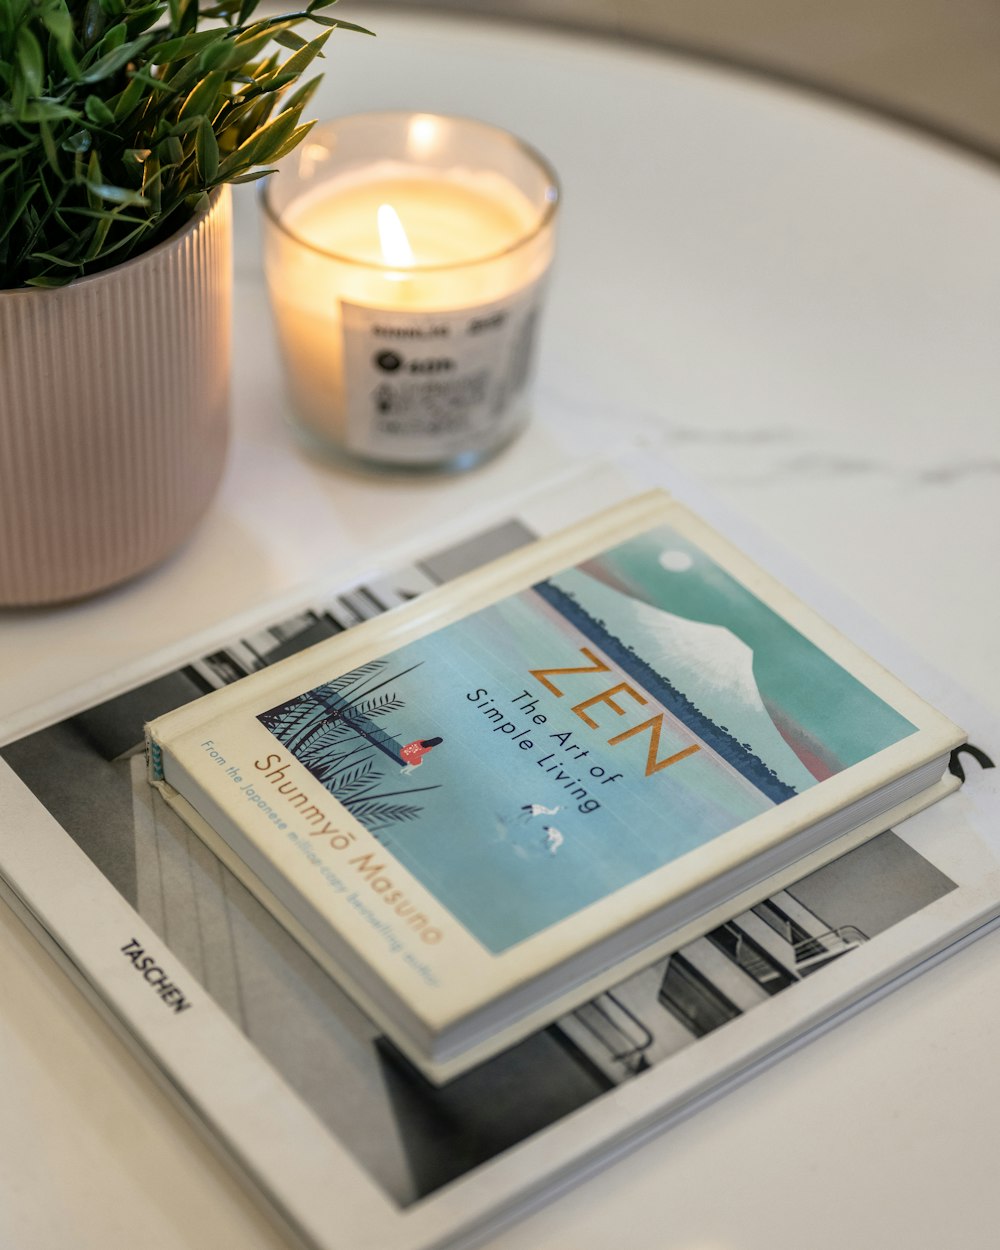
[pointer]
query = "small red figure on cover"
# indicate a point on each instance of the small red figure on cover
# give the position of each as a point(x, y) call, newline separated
point(413, 753)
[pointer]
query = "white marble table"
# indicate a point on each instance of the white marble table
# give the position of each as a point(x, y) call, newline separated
point(796, 305)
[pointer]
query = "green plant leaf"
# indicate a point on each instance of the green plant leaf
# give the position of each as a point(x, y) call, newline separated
point(98, 111)
point(93, 175)
point(170, 151)
point(46, 110)
point(114, 38)
point(257, 73)
point(152, 184)
point(220, 54)
point(128, 100)
point(250, 44)
point(183, 15)
point(140, 17)
point(133, 160)
point(336, 21)
point(53, 259)
point(94, 23)
point(207, 151)
point(186, 46)
point(150, 85)
point(77, 141)
point(49, 144)
point(59, 24)
point(289, 39)
point(110, 64)
point(254, 176)
point(302, 95)
point(115, 195)
point(204, 98)
point(188, 126)
point(274, 81)
point(31, 61)
point(241, 119)
point(255, 150)
point(299, 61)
point(198, 201)
point(99, 237)
point(296, 137)
point(47, 281)
point(120, 215)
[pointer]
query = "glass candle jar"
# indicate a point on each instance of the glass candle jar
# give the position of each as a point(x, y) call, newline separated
point(406, 256)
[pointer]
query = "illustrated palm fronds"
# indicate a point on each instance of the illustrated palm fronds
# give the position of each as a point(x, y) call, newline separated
point(331, 730)
point(325, 736)
point(289, 719)
point(357, 780)
point(377, 815)
point(347, 680)
point(328, 769)
point(378, 707)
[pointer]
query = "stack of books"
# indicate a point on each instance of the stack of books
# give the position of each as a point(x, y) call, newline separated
point(486, 808)
point(456, 881)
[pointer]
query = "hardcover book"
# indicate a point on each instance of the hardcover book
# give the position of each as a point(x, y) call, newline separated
point(488, 805)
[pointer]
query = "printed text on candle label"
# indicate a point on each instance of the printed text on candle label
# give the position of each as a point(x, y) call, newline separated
point(425, 387)
point(410, 332)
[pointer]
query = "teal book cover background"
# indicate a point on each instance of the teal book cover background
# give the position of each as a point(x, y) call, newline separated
point(542, 753)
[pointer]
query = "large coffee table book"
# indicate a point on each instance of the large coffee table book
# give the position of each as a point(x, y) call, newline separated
point(486, 807)
point(301, 1092)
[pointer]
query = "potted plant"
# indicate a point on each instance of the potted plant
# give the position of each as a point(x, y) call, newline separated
point(122, 124)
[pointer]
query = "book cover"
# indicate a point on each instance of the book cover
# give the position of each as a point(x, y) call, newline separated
point(535, 773)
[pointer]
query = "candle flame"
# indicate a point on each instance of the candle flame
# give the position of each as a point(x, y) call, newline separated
point(395, 245)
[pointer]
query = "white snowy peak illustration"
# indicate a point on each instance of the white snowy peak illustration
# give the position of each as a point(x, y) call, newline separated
point(707, 663)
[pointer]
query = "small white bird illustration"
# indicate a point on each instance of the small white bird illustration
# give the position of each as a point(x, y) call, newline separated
point(553, 838)
point(536, 809)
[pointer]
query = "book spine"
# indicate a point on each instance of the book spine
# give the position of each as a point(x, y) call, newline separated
point(154, 758)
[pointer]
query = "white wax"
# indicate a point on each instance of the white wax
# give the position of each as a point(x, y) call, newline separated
point(449, 219)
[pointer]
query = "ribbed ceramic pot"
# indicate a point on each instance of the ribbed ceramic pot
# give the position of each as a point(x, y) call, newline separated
point(114, 414)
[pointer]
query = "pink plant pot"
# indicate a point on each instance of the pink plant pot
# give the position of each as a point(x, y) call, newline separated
point(114, 414)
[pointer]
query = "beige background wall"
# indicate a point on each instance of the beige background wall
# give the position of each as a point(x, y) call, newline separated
point(936, 62)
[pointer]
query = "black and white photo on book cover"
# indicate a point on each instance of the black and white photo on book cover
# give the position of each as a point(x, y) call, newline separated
point(444, 1160)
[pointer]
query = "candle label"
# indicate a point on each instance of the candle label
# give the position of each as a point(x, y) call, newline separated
point(423, 387)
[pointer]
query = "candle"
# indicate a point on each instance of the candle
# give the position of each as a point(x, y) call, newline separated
point(406, 256)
